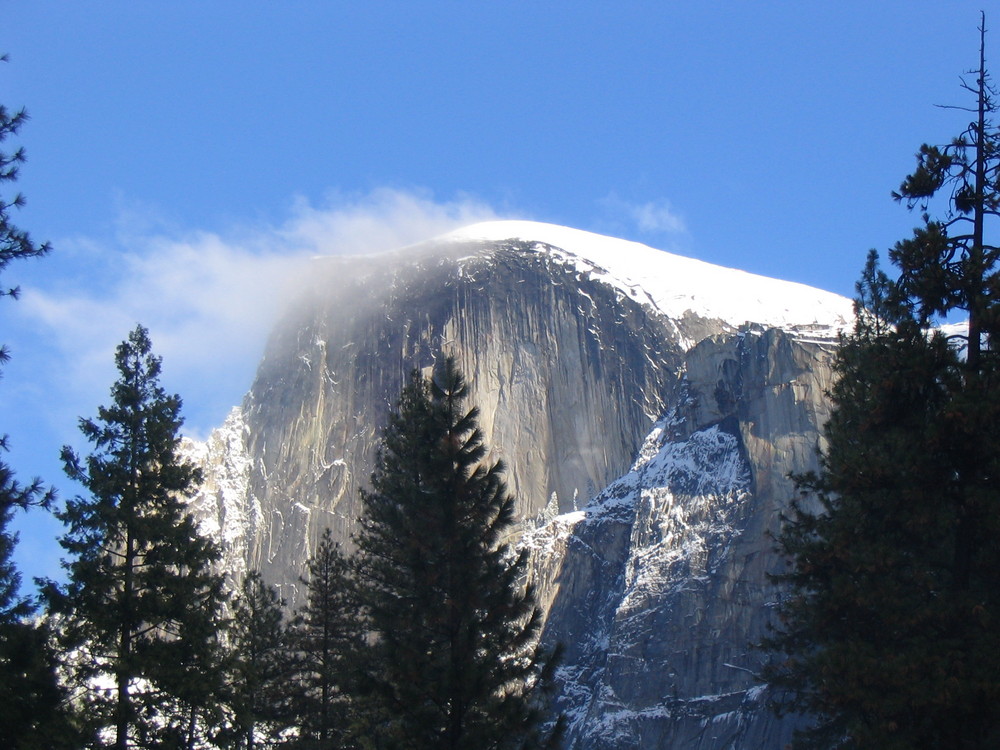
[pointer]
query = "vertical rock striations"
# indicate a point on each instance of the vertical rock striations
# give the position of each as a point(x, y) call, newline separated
point(649, 452)
point(659, 587)
point(568, 373)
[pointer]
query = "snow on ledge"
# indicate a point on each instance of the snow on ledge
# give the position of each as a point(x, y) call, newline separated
point(673, 284)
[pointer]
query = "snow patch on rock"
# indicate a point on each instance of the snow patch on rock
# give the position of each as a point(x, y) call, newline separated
point(223, 507)
point(682, 503)
point(673, 285)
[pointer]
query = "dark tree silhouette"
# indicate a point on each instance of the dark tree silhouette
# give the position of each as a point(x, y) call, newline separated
point(891, 635)
point(142, 600)
point(454, 661)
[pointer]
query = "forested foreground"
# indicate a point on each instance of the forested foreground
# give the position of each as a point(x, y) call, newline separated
point(425, 637)
point(890, 635)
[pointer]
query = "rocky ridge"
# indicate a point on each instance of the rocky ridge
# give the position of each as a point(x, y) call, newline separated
point(649, 427)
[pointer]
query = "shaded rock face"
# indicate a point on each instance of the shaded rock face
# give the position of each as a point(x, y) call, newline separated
point(648, 474)
point(659, 588)
point(568, 374)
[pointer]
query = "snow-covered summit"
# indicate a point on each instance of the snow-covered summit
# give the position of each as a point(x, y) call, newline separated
point(674, 284)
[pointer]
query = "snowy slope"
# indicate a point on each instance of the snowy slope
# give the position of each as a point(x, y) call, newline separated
point(673, 284)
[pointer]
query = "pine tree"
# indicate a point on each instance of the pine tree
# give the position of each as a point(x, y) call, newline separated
point(30, 698)
point(326, 637)
point(32, 705)
point(259, 670)
point(141, 598)
point(454, 660)
point(890, 637)
point(192, 665)
point(15, 244)
point(34, 714)
point(947, 265)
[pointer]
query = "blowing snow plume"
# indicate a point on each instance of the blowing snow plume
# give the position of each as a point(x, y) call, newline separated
point(209, 299)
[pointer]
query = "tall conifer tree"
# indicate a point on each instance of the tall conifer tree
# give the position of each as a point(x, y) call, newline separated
point(32, 705)
point(326, 638)
point(891, 637)
point(142, 596)
point(454, 661)
point(258, 675)
point(15, 244)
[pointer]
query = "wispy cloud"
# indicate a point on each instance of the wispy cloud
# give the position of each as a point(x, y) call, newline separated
point(657, 216)
point(209, 299)
point(653, 217)
point(384, 219)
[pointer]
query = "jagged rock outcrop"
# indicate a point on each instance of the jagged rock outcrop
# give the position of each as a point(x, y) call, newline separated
point(648, 434)
point(659, 588)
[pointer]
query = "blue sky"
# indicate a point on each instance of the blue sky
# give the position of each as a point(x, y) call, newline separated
point(184, 156)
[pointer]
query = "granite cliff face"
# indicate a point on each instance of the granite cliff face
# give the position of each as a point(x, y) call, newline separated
point(660, 585)
point(648, 434)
